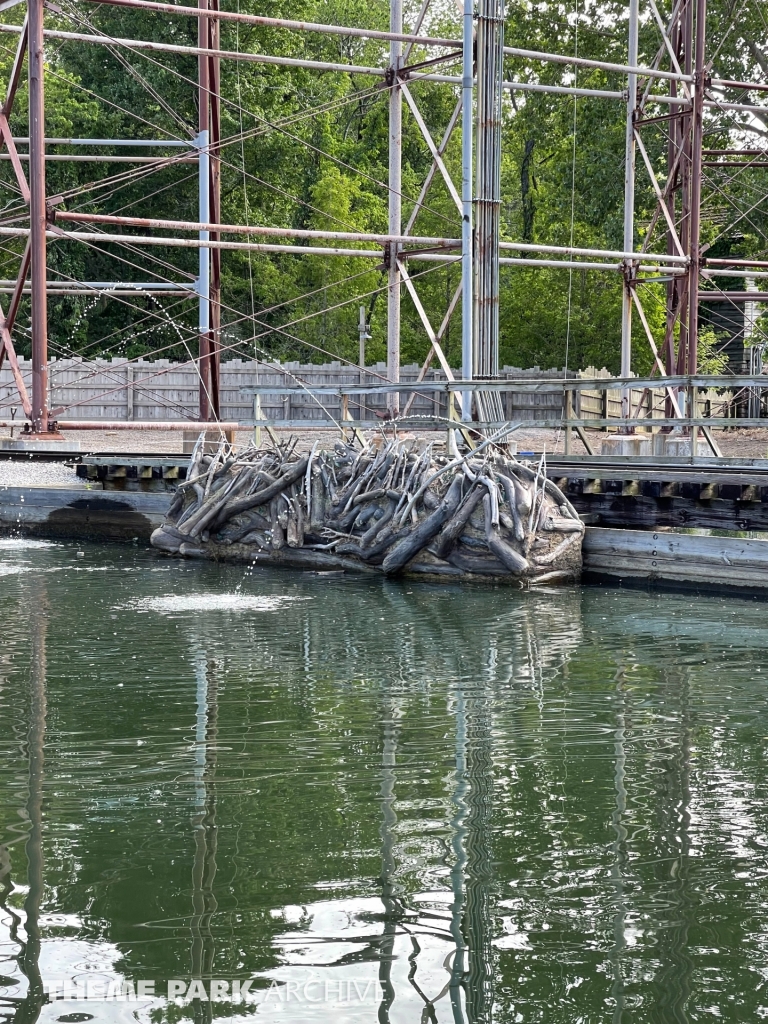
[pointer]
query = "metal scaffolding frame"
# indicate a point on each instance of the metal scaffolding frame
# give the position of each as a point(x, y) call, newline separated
point(477, 244)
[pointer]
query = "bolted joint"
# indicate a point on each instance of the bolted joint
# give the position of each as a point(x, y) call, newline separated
point(629, 273)
point(391, 252)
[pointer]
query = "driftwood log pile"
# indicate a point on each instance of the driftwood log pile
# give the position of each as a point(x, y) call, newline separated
point(390, 508)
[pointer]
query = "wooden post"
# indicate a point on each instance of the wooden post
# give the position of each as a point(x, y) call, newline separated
point(257, 417)
point(129, 393)
point(450, 441)
point(345, 417)
point(568, 397)
point(693, 404)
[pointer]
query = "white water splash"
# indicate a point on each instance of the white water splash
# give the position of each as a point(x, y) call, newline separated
point(13, 570)
point(20, 568)
point(170, 603)
point(24, 544)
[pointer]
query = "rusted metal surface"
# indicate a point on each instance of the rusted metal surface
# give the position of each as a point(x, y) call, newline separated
point(295, 26)
point(254, 229)
point(7, 350)
point(214, 82)
point(38, 218)
point(134, 425)
point(697, 138)
point(18, 170)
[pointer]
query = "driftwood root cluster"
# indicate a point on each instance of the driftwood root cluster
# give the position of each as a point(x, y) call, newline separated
point(390, 508)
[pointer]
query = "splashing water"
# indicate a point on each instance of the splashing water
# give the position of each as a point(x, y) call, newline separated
point(171, 603)
point(24, 544)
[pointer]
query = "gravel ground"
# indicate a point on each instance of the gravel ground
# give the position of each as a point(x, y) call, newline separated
point(37, 474)
point(750, 443)
point(747, 443)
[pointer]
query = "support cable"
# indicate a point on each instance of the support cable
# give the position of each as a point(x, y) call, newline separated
point(272, 330)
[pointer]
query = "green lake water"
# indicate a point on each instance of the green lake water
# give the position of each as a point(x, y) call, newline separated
point(376, 801)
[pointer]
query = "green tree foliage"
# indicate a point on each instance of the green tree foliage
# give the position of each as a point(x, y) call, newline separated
point(309, 150)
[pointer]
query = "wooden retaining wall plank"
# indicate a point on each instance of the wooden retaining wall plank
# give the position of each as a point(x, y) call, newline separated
point(659, 555)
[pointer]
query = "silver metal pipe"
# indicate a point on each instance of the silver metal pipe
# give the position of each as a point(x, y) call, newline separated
point(194, 243)
point(585, 62)
point(467, 127)
point(572, 250)
point(563, 90)
point(352, 236)
point(257, 229)
point(708, 272)
point(98, 286)
point(304, 250)
point(118, 292)
point(188, 144)
point(259, 58)
point(576, 265)
point(629, 203)
point(746, 108)
point(294, 26)
point(517, 261)
point(490, 65)
point(100, 158)
point(254, 58)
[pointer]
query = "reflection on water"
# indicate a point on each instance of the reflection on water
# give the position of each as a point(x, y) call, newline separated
point(376, 801)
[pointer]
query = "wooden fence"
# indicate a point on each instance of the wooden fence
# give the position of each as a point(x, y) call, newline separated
point(650, 402)
point(102, 389)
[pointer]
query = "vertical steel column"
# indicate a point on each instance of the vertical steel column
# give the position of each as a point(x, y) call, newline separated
point(697, 141)
point(697, 132)
point(204, 213)
point(673, 295)
point(629, 204)
point(214, 104)
point(490, 64)
point(363, 336)
point(38, 219)
point(467, 303)
point(685, 190)
point(395, 200)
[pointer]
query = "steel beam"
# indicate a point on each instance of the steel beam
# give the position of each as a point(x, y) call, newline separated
point(253, 229)
point(38, 218)
point(467, 233)
point(395, 196)
point(214, 105)
point(204, 213)
point(490, 66)
point(629, 203)
point(697, 139)
point(294, 26)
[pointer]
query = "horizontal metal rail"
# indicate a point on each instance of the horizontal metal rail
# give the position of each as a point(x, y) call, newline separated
point(679, 382)
point(692, 423)
point(442, 423)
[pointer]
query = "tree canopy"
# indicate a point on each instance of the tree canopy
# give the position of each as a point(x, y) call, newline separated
point(308, 149)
